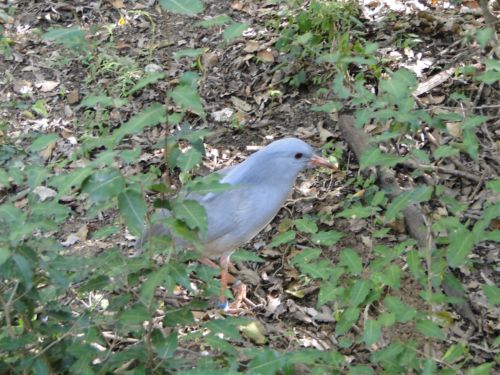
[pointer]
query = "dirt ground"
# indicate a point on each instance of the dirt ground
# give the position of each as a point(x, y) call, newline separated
point(229, 79)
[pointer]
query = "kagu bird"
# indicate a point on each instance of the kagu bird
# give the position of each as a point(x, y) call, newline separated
point(261, 183)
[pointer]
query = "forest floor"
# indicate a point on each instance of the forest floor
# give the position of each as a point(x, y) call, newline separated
point(233, 79)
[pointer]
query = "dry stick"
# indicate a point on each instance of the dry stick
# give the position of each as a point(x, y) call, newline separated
point(415, 224)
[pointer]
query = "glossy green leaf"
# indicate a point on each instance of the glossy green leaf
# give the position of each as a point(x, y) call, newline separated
point(402, 311)
point(234, 31)
point(146, 81)
point(429, 328)
point(347, 319)
point(133, 208)
point(492, 292)
point(359, 292)
point(219, 20)
point(351, 259)
point(151, 116)
point(104, 184)
point(283, 238)
point(72, 37)
point(190, 52)
point(192, 213)
point(326, 238)
point(187, 98)
point(189, 159)
point(186, 7)
point(445, 151)
point(182, 316)
point(42, 141)
point(4, 255)
point(372, 331)
point(306, 225)
point(461, 243)
point(134, 316)
point(165, 347)
point(374, 157)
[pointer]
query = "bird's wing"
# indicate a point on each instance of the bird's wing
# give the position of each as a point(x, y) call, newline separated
point(225, 212)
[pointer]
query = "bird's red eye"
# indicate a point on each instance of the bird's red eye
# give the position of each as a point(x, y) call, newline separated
point(298, 155)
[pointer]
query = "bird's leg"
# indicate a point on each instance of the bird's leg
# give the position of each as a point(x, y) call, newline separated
point(225, 278)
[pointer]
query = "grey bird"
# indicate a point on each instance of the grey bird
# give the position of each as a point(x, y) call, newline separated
point(261, 185)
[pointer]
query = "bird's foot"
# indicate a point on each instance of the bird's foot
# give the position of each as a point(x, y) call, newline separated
point(241, 304)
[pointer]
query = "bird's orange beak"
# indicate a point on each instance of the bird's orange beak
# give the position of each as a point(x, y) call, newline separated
point(318, 161)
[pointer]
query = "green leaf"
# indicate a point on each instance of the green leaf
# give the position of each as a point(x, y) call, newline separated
point(347, 319)
point(134, 316)
point(192, 213)
point(145, 81)
point(103, 101)
point(182, 316)
point(489, 77)
point(72, 37)
point(165, 347)
point(454, 352)
point(266, 362)
point(283, 238)
point(234, 31)
point(375, 157)
point(338, 87)
point(4, 178)
point(242, 255)
point(397, 205)
point(229, 327)
point(327, 107)
point(65, 182)
point(319, 270)
point(399, 84)
point(188, 99)
point(494, 185)
point(326, 238)
point(306, 225)
point(133, 207)
point(444, 152)
point(186, 7)
point(359, 292)
point(492, 292)
point(328, 292)
point(40, 108)
point(149, 286)
point(421, 194)
point(26, 269)
point(357, 212)
point(429, 328)
point(414, 265)
point(95, 283)
point(461, 243)
point(4, 255)
point(484, 36)
point(484, 369)
point(151, 116)
point(307, 255)
point(362, 117)
point(43, 141)
point(360, 370)
point(208, 184)
point(190, 52)
point(351, 259)
point(104, 184)
point(189, 159)
point(392, 276)
point(470, 143)
point(403, 312)
point(371, 332)
point(219, 20)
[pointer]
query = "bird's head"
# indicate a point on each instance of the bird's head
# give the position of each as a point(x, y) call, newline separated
point(286, 157)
